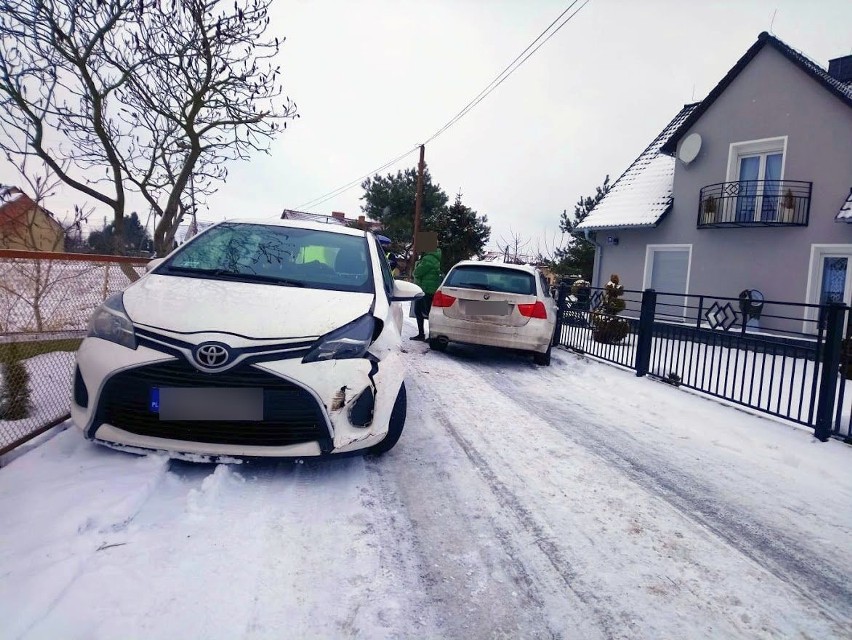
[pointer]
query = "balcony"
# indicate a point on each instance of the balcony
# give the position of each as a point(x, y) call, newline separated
point(755, 203)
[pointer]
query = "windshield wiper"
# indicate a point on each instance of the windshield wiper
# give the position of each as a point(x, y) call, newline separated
point(236, 275)
point(206, 272)
point(257, 277)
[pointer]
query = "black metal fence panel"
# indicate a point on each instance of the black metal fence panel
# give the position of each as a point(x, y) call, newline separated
point(780, 358)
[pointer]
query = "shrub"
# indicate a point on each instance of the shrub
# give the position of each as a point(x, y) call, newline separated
point(15, 392)
point(606, 327)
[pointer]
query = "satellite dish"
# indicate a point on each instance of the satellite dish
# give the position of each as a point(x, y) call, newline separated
point(689, 148)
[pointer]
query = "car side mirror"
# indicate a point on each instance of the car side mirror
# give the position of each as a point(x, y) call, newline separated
point(405, 291)
point(156, 262)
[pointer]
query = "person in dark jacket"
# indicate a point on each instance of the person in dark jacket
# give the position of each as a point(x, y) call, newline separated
point(427, 275)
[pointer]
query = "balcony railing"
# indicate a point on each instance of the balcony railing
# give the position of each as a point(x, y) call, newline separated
point(755, 203)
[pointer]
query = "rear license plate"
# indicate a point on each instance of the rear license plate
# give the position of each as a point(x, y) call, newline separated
point(181, 403)
point(482, 308)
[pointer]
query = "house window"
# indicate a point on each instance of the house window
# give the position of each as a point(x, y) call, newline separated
point(667, 272)
point(756, 168)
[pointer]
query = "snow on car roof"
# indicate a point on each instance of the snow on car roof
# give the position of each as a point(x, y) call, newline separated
point(497, 265)
point(643, 193)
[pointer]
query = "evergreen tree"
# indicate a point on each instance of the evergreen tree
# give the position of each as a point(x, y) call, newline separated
point(579, 256)
point(136, 239)
point(462, 233)
point(390, 200)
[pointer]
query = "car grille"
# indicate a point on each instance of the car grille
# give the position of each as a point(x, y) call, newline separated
point(291, 414)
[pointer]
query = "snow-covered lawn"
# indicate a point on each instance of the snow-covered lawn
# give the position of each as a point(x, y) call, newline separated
point(576, 502)
point(65, 292)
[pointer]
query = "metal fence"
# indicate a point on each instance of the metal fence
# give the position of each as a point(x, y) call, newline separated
point(785, 359)
point(45, 303)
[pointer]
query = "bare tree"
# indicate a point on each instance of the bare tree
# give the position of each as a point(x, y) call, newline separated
point(515, 249)
point(148, 97)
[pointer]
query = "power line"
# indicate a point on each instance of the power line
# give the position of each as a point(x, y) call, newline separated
point(509, 70)
point(336, 192)
point(501, 77)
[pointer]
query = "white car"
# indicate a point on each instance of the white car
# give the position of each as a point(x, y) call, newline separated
point(278, 339)
point(494, 304)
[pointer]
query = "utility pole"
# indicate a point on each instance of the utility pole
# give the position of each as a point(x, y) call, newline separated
point(418, 200)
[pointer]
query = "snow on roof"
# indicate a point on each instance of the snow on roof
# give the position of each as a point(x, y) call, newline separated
point(9, 194)
point(845, 213)
point(183, 229)
point(643, 193)
point(291, 214)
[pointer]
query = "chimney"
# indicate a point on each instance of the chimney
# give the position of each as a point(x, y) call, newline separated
point(841, 69)
point(361, 222)
point(338, 215)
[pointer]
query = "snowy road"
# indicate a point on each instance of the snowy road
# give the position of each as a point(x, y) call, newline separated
point(571, 502)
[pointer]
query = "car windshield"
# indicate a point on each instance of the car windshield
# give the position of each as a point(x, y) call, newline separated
point(490, 278)
point(269, 254)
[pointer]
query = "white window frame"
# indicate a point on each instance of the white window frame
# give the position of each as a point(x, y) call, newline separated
point(761, 147)
point(649, 264)
point(815, 264)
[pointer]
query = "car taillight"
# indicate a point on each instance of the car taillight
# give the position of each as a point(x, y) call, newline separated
point(441, 299)
point(536, 310)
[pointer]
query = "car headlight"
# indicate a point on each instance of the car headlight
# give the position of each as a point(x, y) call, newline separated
point(349, 341)
point(110, 322)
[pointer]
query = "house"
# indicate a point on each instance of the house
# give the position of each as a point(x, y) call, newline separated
point(747, 189)
point(25, 226)
point(336, 217)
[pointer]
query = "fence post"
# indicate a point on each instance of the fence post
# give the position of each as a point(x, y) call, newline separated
point(646, 331)
point(561, 294)
point(830, 359)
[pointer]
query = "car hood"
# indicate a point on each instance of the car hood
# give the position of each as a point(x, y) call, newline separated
point(260, 311)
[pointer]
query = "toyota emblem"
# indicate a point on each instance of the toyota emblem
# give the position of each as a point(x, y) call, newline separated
point(212, 355)
point(486, 296)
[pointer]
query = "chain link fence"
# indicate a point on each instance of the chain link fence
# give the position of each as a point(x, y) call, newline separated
point(46, 300)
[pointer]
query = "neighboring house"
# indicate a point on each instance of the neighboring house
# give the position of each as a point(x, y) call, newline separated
point(186, 230)
point(336, 217)
point(748, 189)
point(25, 226)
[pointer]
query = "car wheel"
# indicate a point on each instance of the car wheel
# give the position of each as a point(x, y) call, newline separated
point(437, 345)
point(397, 422)
point(542, 359)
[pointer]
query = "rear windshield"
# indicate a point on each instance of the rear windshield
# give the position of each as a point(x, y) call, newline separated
point(489, 278)
point(275, 255)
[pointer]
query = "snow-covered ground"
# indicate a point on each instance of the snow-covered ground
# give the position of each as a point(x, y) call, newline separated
point(573, 502)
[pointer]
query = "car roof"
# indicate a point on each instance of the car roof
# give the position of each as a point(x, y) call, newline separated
point(299, 224)
point(526, 268)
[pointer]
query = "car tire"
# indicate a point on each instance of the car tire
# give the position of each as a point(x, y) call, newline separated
point(542, 359)
point(437, 345)
point(395, 425)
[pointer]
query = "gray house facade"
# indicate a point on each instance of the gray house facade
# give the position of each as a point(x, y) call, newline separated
point(748, 189)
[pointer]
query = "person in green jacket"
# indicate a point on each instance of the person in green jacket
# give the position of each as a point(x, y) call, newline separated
point(427, 275)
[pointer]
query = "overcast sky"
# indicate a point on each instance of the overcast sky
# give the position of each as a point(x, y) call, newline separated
point(374, 78)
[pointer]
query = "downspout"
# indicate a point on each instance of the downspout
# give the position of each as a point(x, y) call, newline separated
point(596, 267)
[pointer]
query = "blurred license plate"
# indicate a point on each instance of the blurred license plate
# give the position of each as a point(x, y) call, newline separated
point(477, 308)
point(179, 403)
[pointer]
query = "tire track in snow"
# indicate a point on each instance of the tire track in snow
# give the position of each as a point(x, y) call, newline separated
point(470, 550)
point(540, 537)
point(774, 551)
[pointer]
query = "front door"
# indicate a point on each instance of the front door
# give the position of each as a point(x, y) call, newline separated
point(831, 277)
